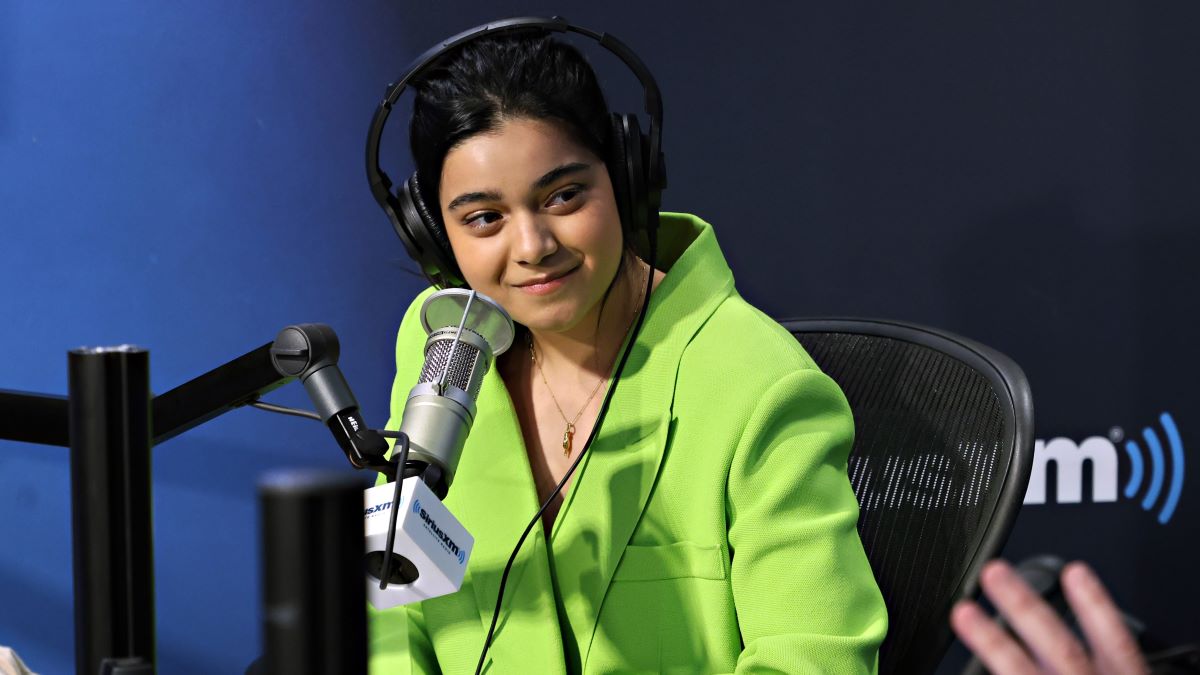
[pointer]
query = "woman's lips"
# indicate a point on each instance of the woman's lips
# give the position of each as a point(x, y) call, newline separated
point(548, 286)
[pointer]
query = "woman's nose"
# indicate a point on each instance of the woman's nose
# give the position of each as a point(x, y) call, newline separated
point(534, 240)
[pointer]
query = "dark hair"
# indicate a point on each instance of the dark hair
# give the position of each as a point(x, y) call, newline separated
point(479, 85)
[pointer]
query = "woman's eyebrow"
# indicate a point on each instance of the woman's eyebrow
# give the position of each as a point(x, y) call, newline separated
point(558, 172)
point(494, 196)
point(469, 197)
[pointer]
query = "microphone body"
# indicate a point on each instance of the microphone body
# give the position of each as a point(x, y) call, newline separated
point(438, 417)
point(429, 553)
point(466, 332)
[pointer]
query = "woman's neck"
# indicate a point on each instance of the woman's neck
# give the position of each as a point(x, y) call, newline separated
point(591, 346)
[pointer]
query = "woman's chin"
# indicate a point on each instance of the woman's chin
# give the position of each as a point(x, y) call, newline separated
point(553, 319)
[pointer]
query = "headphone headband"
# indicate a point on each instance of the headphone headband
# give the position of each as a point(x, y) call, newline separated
point(380, 183)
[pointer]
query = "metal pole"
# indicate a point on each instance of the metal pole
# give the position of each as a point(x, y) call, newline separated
point(313, 578)
point(112, 537)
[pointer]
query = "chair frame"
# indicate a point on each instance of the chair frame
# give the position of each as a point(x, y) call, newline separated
point(1009, 383)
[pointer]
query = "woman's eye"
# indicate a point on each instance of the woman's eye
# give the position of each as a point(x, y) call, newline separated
point(564, 196)
point(481, 220)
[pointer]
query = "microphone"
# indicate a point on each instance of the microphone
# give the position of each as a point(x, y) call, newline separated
point(309, 351)
point(466, 332)
point(420, 550)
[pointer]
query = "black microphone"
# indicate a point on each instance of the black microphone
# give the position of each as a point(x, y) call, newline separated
point(467, 331)
point(309, 351)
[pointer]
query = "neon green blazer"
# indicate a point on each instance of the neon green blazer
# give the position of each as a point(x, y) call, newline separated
point(710, 528)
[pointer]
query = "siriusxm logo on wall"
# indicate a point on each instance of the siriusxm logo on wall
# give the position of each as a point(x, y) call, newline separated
point(1155, 477)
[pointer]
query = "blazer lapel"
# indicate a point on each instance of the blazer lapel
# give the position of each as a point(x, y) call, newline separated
point(502, 501)
point(616, 478)
point(595, 525)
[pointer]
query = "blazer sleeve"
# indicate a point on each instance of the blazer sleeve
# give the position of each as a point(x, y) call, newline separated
point(399, 641)
point(805, 596)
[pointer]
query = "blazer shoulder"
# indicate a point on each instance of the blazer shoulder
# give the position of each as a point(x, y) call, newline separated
point(410, 336)
point(739, 340)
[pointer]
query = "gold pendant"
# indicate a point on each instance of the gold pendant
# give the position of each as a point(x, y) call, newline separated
point(568, 435)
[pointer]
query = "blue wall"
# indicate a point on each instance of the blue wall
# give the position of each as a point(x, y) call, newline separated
point(186, 177)
point(189, 178)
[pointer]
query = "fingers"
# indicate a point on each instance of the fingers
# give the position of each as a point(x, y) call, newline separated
point(1037, 624)
point(1113, 648)
point(998, 651)
point(1050, 643)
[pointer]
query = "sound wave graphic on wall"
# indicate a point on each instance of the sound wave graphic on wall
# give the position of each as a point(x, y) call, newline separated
point(1156, 468)
point(1157, 477)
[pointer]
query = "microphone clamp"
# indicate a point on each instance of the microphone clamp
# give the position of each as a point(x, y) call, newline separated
point(309, 352)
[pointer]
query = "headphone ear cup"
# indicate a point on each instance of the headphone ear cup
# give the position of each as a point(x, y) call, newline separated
point(423, 235)
point(626, 173)
point(403, 215)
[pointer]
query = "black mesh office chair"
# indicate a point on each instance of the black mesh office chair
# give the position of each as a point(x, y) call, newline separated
point(942, 453)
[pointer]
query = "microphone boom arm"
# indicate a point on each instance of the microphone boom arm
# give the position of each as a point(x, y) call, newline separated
point(43, 418)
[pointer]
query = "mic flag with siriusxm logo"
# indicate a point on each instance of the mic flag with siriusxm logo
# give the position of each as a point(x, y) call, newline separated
point(435, 546)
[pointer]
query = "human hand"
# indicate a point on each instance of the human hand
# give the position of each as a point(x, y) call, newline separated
point(1046, 644)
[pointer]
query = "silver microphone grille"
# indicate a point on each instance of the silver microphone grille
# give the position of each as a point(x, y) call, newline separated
point(483, 316)
point(467, 369)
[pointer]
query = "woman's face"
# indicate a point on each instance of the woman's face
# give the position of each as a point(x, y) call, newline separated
point(533, 223)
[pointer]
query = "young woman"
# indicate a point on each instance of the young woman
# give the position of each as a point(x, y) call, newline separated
point(711, 526)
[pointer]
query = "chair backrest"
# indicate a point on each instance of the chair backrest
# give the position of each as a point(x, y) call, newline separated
point(942, 454)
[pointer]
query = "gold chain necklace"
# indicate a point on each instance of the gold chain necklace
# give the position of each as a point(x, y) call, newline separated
point(569, 431)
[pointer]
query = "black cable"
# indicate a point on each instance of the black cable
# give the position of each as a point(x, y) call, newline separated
point(371, 463)
point(284, 410)
point(400, 463)
point(487, 643)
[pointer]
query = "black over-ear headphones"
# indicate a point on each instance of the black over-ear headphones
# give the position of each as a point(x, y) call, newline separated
point(636, 166)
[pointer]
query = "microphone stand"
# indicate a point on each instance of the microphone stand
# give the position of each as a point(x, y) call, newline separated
point(110, 421)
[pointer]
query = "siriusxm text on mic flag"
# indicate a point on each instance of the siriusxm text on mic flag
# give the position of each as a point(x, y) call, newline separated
point(434, 545)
